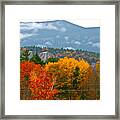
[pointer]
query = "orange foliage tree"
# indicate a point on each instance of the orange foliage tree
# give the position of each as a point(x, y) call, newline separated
point(25, 69)
point(35, 82)
point(65, 79)
point(41, 84)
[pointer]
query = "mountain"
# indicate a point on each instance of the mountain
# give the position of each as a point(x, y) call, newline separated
point(59, 34)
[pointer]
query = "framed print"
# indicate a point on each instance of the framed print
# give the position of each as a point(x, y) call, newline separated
point(60, 59)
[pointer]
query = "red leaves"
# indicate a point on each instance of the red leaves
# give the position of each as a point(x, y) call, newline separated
point(39, 82)
point(25, 69)
point(62, 80)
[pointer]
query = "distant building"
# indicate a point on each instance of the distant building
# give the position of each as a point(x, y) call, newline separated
point(30, 54)
point(44, 55)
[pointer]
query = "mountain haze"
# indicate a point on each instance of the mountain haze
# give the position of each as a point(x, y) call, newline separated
point(59, 34)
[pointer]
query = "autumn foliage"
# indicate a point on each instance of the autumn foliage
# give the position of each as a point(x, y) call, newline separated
point(69, 76)
point(35, 82)
point(41, 84)
point(63, 79)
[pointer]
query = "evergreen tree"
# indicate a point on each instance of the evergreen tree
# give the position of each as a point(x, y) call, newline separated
point(24, 55)
point(52, 60)
point(36, 59)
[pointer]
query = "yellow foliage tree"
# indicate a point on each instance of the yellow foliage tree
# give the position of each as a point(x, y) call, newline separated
point(69, 76)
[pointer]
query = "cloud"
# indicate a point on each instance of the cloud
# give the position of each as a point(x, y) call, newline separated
point(77, 42)
point(50, 26)
point(22, 36)
point(66, 37)
point(62, 29)
point(89, 43)
point(37, 26)
point(48, 43)
point(33, 25)
point(91, 38)
point(96, 45)
point(26, 26)
point(39, 45)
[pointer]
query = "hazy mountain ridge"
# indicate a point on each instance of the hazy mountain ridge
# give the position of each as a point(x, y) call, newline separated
point(60, 34)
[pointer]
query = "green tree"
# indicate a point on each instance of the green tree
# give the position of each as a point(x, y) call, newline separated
point(52, 60)
point(24, 55)
point(36, 59)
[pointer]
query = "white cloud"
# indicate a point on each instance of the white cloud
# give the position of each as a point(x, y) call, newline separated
point(39, 45)
point(89, 43)
point(96, 44)
point(33, 25)
point(25, 28)
point(66, 37)
point(92, 38)
point(48, 43)
point(77, 42)
point(25, 35)
point(51, 27)
point(62, 29)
